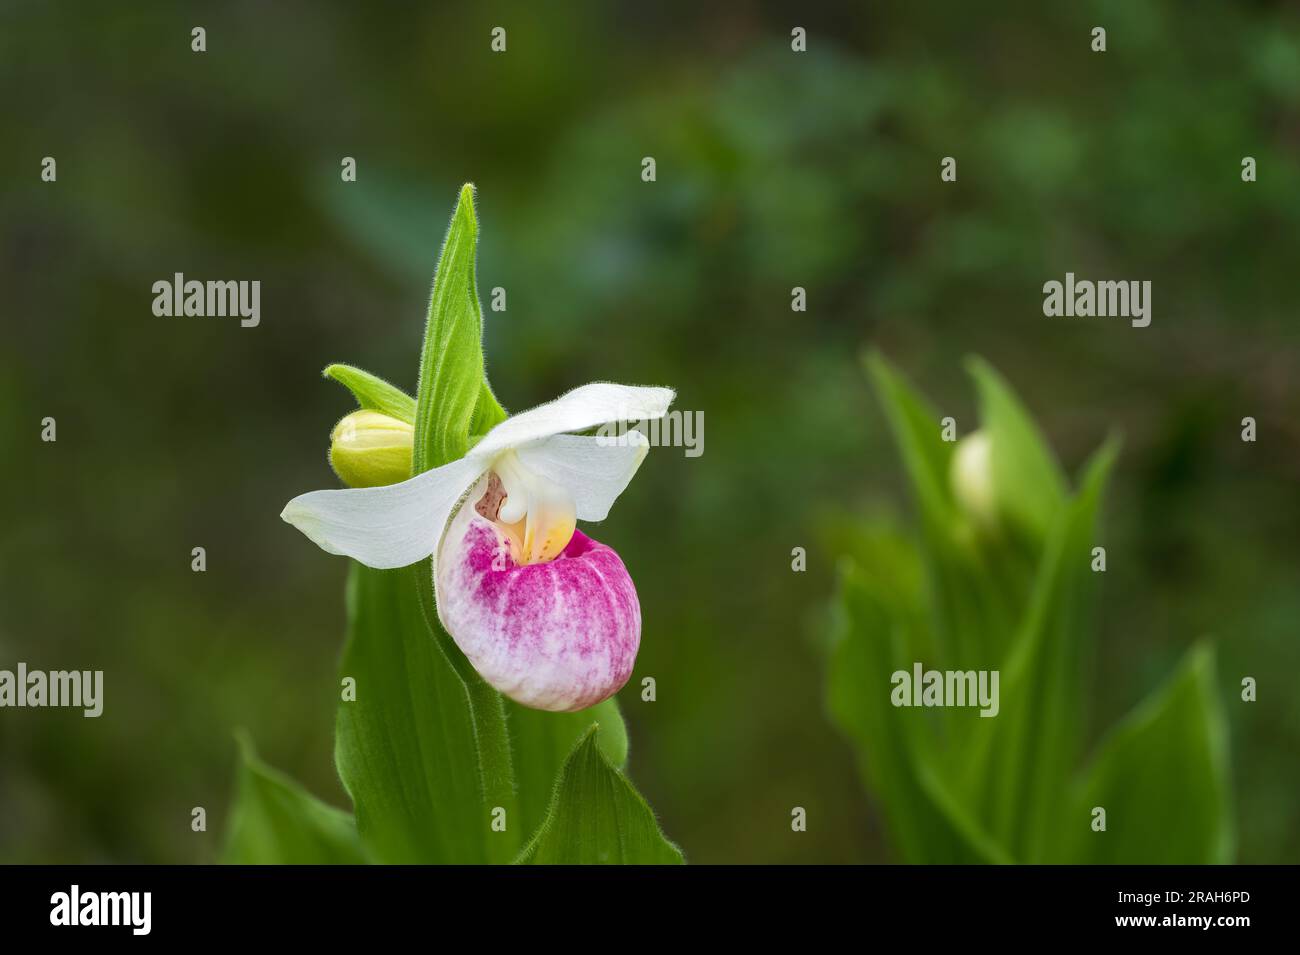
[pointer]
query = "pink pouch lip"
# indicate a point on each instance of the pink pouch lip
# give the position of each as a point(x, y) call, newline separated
point(561, 635)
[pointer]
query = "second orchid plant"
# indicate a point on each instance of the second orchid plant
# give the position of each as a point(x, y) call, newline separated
point(487, 635)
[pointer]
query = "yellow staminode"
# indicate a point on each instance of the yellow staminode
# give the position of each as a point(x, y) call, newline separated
point(537, 515)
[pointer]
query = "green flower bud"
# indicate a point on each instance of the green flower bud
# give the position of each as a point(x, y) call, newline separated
point(370, 449)
point(972, 479)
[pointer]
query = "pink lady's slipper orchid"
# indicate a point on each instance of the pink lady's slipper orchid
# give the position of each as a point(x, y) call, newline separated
point(547, 616)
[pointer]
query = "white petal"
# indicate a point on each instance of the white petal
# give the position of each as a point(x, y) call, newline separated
point(397, 525)
point(588, 406)
point(389, 526)
point(593, 470)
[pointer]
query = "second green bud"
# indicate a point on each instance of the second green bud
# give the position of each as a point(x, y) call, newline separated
point(370, 449)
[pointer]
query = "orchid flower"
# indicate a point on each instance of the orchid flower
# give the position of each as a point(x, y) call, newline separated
point(546, 615)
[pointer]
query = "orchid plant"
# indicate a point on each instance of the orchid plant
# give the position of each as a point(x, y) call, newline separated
point(998, 578)
point(487, 634)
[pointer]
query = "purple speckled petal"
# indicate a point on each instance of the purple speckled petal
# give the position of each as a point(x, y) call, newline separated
point(558, 636)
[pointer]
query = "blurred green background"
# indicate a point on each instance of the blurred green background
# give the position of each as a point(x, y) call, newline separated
point(775, 170)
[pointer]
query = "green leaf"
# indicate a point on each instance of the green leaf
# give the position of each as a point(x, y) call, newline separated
point(597, 817)
point(1025, 756)
point(276, 822)
point(542, 741)
point(926, 456)
point(374, 393)
point(1162, 777)
point(488, 412)
point(422, 750)
point(972, 620)
point(1027, 481)
point(452, 385)
point(896, 753)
